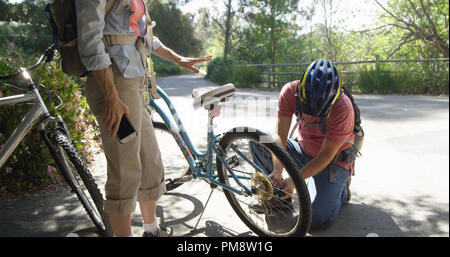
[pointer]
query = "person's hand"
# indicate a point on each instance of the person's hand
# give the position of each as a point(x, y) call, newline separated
point(112, 114)
point(114, 109)
point(276, 177)
point(188, 63)
point(287, 186)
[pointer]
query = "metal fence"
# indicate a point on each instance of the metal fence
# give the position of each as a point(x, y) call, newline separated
point(271, 77)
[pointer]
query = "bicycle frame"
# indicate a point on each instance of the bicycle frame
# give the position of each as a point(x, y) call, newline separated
point(195, 158)
point(37, 110)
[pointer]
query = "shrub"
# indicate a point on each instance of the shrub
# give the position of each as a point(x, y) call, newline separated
point(31, 165)
point(420, 78)
point(220, 70)
point(376, 81)
point(244, 76)
point(391, 82)
point(164, 68)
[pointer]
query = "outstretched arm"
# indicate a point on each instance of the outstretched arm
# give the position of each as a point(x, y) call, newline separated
point(185, 62)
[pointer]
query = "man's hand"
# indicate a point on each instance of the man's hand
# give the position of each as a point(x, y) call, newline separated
point(114, 109)
point(276, 177)
point(112, 114)
point(188, 63)
point(288, 187)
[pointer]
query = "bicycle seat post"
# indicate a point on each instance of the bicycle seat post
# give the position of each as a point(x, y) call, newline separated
point(213, 112)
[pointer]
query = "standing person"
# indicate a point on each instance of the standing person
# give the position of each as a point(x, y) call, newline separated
point(114, 50)
point(326, 130)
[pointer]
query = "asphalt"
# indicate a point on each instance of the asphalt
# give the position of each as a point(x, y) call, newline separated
point(401, 186)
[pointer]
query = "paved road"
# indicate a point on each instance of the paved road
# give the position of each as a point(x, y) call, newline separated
point(401, 187)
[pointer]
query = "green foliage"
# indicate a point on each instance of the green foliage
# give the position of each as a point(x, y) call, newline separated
point(243, 76)
point(224, 71)
point(220, 70)
point(421, 79)
point(269, 22)
point(174, 29)
point(421, 26)
point(164, 68)
point(24, 25)
point(30, 164)
point(250, 47)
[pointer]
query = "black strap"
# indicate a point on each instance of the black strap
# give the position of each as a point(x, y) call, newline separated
point(333, 170)
point(49, 16)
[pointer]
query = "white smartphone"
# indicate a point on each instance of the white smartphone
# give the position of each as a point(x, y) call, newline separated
point(126, 131)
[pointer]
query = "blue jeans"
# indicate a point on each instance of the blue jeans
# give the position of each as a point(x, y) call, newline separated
point(326, 198)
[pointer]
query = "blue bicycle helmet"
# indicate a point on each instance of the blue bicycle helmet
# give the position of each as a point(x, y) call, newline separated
point(319, 89)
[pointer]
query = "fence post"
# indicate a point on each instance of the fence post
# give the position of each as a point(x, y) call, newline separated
point(377, 62)
point(269, 76)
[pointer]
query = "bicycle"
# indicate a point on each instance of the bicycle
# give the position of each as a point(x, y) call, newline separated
point(257, 200)
point(57, 138)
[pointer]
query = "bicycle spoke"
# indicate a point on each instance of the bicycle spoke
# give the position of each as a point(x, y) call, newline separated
point(275, 215)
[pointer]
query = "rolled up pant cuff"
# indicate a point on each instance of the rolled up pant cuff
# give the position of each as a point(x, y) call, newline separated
point(152, 194)
point(120, 207)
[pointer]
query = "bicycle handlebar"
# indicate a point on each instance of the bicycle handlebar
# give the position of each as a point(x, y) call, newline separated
point(49, 53)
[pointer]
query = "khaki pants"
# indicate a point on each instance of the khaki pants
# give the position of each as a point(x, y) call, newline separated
point(135, 169)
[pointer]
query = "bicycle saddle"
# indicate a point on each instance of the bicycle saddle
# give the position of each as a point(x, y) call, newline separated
point(209, 98)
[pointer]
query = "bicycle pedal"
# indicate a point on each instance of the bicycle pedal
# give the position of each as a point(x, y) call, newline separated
point(179, 180)
point(184, 179)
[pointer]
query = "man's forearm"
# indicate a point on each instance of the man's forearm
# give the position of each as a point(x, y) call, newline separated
point(105, 82)
point(277, 165)
point(168, 54)
point(316, 165)
point(280, 140)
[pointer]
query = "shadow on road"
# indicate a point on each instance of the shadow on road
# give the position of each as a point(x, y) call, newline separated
point(390, 218)
point(60, 213)
point(46, 215)
point(214, 229)
point(359, 220)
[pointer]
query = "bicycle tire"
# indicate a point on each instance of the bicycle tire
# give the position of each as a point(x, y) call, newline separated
point(163, 135)
point(72, 166)
point(278, 223)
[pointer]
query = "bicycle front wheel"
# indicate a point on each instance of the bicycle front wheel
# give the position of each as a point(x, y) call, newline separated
point(79, 178)
point(268, 210)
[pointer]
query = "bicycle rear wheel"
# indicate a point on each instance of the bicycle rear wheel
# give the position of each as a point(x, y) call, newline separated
point(176, 169)
point(79, 178)
point(246, 152)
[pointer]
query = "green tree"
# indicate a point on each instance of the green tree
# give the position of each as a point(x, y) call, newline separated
point(417, 22)
point(269, 20)
point(174, 29)
point(24, 25)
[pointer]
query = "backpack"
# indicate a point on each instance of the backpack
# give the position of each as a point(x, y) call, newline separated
point(63, 19)
point(348, 155)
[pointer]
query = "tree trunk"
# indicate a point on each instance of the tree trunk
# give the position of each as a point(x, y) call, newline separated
point(227, 48)
point(273, 41)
